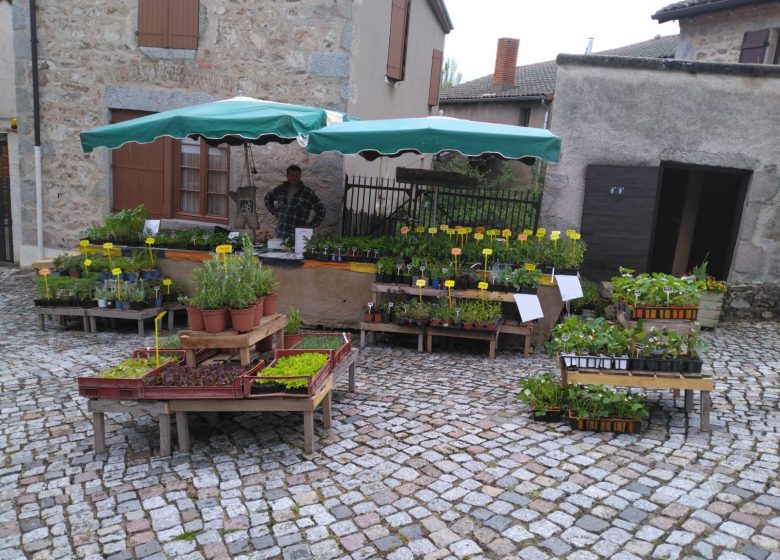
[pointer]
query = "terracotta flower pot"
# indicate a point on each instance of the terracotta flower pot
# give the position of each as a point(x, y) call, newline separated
point(243, 319)
point(269, 306)
point(216, 320)
point(291, 340)
point(195, 318)
point(259, 310)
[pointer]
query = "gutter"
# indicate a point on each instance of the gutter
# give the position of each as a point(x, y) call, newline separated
point(688, 11)
point(36, 129)
point(490, 99)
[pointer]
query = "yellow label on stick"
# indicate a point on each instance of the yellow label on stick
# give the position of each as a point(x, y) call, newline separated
point(419, 229)
point(506, 233)
point(541, 232)
point(116, 271)
point(420, 283)
point(527, 232)
point(150, 240)
point(482, 285)
point(84, 242)
point(487, 251)
point(449, 283)
point(87, 263)
point(444, 227)
point(44, 272)
point(224, 248)
point(479, 236)
point(433, 230)
point(455, 251)
point(108, 245)
point(529, 266)
point(167, 282)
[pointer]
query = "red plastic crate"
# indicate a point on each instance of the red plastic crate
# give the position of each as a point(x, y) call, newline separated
point(232, 391)
point(114, 387)
point(315, 381)
point(200, 355)
point(338, 354)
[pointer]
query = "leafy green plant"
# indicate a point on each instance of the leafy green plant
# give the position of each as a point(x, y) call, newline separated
point(320, 343)
point(293, 372)
point(293, 321)
point(132, 368)
point(520, 278)
point(209, 280)
point(543, 393)
point(655, 289)
point(601, 401)
point(69, 263)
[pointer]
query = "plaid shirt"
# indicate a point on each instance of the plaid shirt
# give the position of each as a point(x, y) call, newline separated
point(296, 212)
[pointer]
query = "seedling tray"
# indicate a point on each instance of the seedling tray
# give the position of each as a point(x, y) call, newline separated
point(338, 354)
point(115, 387)
point(276, 390)
point(170, 392)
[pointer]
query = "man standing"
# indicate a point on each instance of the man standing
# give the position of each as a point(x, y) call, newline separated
point(293, 204)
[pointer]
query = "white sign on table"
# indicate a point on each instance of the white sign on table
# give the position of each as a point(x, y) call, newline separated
point(302, 235)
point(152, 226)
point(569, 286)
point(529, 306)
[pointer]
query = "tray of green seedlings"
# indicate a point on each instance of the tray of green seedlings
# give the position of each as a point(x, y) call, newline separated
point(339, 342)
point(292, 373)
point(123, 380)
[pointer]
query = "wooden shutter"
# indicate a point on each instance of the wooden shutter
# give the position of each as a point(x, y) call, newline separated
point(618, 226)
point(182, 24)
point(152, 23)
point(754, 46)
point(137, 171)
point(433, 88)
point(396, 50)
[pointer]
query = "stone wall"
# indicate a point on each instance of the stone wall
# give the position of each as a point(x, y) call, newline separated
point(752, 301)
point(90, 63)
point(671, 111)
point(715, 37)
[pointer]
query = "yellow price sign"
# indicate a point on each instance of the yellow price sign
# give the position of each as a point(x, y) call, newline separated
point(482, 285)
point(527, 232)
point(493, 232)
point(167, 283)
point(84, 242)
point(444, 227)
point(87, 263)
point(449, 283)
point(456, 251)
point(460, 230)
point(108, 246)
point(224, 249)
point(487, 251)
point(570, 233)
point(506, 233)
point(529, 266)
point(44, 272)
point(541, 232)
point(451, 232)
point(577, 236)
point(116, 271)
point(479, 236)
point(468, 230)
point(433, 230)
point(419, 229)
point(157, 336)
point(420, 283)
point(150, 240)
point(405, 230)
point(555, 233)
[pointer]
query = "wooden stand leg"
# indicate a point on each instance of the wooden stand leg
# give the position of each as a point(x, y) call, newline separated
point(190, 357)
point(705, 411)
point(492, 348)
point(140, 327)
point(42, 321)
point(362, 337)
point(165, 434)
point(675, 393)
point(244, 353)
point(527, 345)
point(182, 432)
point(688, 400)
point(93, 324)
point(308, 431)
point(99, 427)
point(85, 321)
point(170, 319)
point(280, 339)
point(326, 411)
point(429, 344)
point(352, 377)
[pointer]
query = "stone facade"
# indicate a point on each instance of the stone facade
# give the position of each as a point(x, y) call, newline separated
point(712, 127)
point(714, 37)
point(752, 301)
point(311, 53)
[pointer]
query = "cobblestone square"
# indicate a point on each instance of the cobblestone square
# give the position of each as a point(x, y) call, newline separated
point(432, 457)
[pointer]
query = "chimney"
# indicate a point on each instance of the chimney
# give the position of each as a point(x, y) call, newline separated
point(506, 64)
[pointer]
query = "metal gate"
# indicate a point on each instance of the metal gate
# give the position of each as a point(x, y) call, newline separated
point(6, 241)
point(374, 206)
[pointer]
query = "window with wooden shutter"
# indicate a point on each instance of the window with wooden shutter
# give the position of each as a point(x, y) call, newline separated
point(170, 24)
point(433, 88)
point(203, 180)
point(396, 50)
point(754, 45)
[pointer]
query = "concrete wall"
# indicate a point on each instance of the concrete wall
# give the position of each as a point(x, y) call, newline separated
point(675, 111)
point(296, 52)
point(509, 112)
point(7, 97)
point(717, 37)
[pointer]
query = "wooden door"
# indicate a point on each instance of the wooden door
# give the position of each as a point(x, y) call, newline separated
point(138, 172)
point(618, 218)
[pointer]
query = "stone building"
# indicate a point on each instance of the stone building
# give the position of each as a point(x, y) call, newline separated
point(668, 162)
point(7, 133)
point(103, 62)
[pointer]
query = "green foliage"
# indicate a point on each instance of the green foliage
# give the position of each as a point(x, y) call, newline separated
point(521, 278)
point(590, 297)
point(601, 401)
point(655, 289)
point(68, 263)
point(293, 372)
point(133, 368)
point(320, 343)
point(209, 280)
point(543, 392)
point(590, 337)
point(293, 321)
point(449, 74)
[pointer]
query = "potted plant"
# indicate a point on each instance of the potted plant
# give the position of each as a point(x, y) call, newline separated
point(105, 296)
point(602, 408)
point(292, 331)
point(239, 294)
point(522, 280)
point(711, 297)
point(209, 280)
point(544, 394)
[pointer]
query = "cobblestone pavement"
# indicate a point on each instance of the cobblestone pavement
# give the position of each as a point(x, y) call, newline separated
point(432, 457)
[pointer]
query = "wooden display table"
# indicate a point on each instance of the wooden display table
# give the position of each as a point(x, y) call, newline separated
point(372, 327)
point(680, 326)
point(269, 326)
point(62, 312)
point(690, 382)
point(139, 315)
point(526, 330)
point(474, 334)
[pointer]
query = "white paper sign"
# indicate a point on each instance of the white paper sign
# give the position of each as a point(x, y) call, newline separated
point(152, 226)
point(302, 235)
point(234, 234)
point(529, 307)
point(569, 286)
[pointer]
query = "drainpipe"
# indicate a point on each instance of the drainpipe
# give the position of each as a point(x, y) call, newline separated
point(36, 129)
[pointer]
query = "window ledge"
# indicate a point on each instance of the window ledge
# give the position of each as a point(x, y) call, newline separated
point(169, 54)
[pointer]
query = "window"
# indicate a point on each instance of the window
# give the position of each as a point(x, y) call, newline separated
point(169, 24)
point(754, 46)
point(433, 88)
point(399, 29)
point(185, 179)
point(525, 117)
point(203, 180)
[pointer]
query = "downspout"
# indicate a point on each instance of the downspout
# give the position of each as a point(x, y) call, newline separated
point(539, 161)
point(36, 129)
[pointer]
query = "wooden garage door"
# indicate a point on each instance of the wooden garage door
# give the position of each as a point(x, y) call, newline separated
point(618, 217)
point(138, 172)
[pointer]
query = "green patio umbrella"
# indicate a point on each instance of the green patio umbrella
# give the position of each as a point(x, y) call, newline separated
point(235, 121)
point(431, 135)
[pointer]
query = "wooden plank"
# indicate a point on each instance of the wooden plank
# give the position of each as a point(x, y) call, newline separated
point(134, 314)
point(165, 434)
point(432, 292)
point(183, 432)
point(232, 339)
point(346, 367)
point(648, 382)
